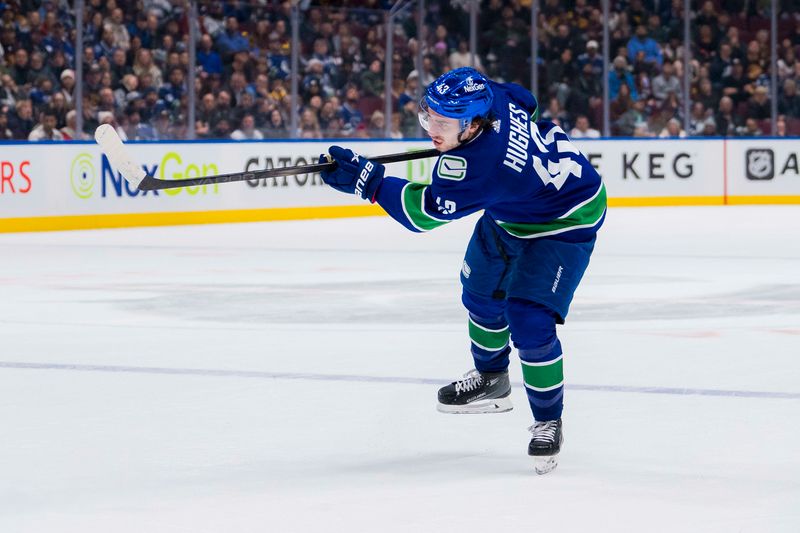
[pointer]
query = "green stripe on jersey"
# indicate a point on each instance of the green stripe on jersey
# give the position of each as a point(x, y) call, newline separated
point(488, 339)
point(583, 215)
point(413, 199)
point(543, 376)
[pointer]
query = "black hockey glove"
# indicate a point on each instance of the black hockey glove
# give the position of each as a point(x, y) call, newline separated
point(353, 173)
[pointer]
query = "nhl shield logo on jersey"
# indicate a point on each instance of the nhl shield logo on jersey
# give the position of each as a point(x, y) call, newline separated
point(452, 167)
point(760, 164)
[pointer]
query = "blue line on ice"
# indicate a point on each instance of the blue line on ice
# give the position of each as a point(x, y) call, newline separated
point(379, 379)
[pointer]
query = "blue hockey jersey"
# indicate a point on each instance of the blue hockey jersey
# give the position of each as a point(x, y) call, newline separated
point(526, 175)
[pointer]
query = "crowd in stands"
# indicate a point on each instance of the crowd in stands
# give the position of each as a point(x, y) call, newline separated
point(136, 66)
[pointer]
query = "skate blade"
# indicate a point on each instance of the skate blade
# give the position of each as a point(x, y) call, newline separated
point(545, 464)
point(493, 405)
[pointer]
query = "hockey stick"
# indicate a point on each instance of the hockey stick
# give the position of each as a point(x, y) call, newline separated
point(120, 159)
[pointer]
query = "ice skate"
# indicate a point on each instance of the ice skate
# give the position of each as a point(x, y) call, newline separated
point(545, 445)
point(477, 392)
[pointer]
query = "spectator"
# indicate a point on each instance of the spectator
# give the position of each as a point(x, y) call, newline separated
point(621, 103)
point(759, 106)
point(562, 74)
point(277, 59)
point(38, 69)
point(46, 129)
point(666, 83)
point(163, 130)
point(9, 92)
point(700, 119)
point(225, 109)
point(377, 126)
point(116, 25)
point(735, 85)
point(144, 65)
point(330, 120)
point(407, 106)
point(750, 129)
point(634, 117)
point(21, 120)
point(780, 127)
point(247, 130)
point(58, 105)
point(105, 48)
point(309, 125)
point(372, 79)
point(619, 76)
point(322, 53)
point(5, 132)
point(128, 85)
point(592, 58)
point(706, 94)
point(70, 131)
point(107, 102)
point(396, 132)
point(585, 96)
point(463, 58)
point(706, 42)
point(351, 115)
point(232, 40)
point(316, 81)
point(136, 130)
point(276, 127)
point(207, 114)
point(673, 129)
point(21, 67)
point(727, 121)
point(556, 114)
point(789, 102)
point(247, 105)
point(582, 130)
point(172, 91)
point(641, 130)
point(641, 42)
point(722, 63)
point(119, 66)
point(208, 59)
point(429, 71)
point(786, 64)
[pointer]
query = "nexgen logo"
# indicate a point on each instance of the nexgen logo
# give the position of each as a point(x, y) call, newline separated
point(85, 182)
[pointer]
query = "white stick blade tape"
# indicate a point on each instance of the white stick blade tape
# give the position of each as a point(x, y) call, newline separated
point(118, 155)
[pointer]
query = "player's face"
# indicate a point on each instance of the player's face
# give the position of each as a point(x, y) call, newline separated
point(442, 130)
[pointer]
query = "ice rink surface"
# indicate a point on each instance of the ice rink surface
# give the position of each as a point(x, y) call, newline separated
point(282, 377)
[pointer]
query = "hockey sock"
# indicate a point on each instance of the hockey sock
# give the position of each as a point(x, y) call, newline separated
point(534, 332)
point(489, 343)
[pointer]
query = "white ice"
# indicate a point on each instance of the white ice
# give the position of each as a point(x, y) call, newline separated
point(282, 377)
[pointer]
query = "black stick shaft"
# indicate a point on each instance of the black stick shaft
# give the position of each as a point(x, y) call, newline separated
point(153, 184)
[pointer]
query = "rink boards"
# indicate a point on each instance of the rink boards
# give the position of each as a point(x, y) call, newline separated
point(56, 186)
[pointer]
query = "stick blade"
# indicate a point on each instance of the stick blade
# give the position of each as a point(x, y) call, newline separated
point(108, 139)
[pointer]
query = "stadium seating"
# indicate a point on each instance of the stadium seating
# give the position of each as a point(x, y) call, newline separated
point(135, 63)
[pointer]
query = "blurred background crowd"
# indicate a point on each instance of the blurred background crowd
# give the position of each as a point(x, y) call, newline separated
point(136, 66)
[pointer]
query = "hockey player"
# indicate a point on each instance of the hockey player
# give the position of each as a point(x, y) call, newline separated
point(543, 203)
